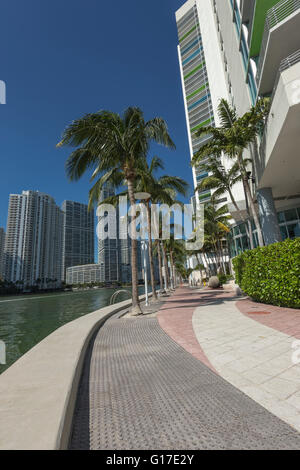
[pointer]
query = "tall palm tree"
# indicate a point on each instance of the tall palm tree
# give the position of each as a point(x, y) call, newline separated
point(176, 250)
point(233, 138)
point(160, 190)
point(220, 180)
point(216, 227)
point(114, 146)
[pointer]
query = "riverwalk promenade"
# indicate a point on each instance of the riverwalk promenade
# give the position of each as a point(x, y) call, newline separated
point(203, 370)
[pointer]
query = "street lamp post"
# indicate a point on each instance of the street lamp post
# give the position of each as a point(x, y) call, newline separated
point(144, 249)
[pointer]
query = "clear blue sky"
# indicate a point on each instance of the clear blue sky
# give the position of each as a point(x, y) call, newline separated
point(61, 59)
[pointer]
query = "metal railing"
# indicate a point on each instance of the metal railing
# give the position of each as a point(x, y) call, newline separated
point(285, 64)
point(275, 15)
point(115, 295)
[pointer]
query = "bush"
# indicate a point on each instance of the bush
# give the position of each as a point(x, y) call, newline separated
point(271, 274)
point(222, 278)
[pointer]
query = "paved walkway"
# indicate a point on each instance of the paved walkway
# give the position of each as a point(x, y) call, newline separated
point(248, 344)
point(140, 389)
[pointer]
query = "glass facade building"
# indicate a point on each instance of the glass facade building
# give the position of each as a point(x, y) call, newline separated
point(195, 84)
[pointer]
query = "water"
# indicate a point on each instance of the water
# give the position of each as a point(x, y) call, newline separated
point(25, 321)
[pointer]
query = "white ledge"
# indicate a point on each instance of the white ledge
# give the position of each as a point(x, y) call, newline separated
point(38, 392)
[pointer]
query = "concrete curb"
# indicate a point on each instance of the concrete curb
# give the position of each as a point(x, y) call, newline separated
point(38, 392)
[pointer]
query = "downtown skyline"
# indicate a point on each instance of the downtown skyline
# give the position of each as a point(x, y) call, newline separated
point(54, 90)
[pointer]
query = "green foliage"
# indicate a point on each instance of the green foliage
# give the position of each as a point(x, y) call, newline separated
point(271, 274)
point(222, 279)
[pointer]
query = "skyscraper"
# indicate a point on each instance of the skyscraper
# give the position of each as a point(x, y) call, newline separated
point(2, 242)
point(108, 248)
point(242, 50)
point(78, 235)
point(33, 243)
point(202, 75)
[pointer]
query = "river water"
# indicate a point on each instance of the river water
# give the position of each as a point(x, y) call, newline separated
point(26, 320)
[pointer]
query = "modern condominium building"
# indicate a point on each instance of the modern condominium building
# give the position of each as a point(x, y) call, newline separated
point(33, 243)
point(85, 274)
point(242, 50)
point(2, 242)
point(203, 76)
point(78, 235)
point(108, 248)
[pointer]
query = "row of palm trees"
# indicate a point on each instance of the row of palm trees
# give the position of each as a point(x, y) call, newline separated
point(233, 138)
point(115, 147)
point(7, 287)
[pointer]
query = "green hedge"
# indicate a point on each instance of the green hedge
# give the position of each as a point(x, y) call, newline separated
point(271, 274)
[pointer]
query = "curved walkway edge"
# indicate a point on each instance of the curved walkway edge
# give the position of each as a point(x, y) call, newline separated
point(251, 346)
point(247, 343)
point(38, 391)
point(140, 389)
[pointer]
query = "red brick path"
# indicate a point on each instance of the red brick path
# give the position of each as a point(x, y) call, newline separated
point(175, 318)
point(286, 320)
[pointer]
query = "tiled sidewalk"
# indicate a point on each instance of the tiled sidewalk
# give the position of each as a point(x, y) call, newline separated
point(141, 390)
point(251, 351)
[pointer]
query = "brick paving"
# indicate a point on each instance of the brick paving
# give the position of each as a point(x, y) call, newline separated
point(142, 390)
point(254, 352)
point(286, 320)
point(175, 318)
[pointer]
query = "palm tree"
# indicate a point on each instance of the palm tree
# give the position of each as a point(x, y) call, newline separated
point(160, 190)
point(177, 252)
point(216, 227)
point(157, 252)
point(220, 180)
point(233, 138)
point(114, 147)
point(165, 263)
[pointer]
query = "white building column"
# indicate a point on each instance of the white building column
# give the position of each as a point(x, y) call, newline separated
point(268, 216)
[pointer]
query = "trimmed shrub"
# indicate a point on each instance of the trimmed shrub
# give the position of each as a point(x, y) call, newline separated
point(271, 274)
point(222, 279)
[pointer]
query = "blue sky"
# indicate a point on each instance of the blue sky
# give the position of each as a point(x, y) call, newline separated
point(62, 59)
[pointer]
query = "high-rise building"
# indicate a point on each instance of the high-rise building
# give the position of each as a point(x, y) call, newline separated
point(33, 243)
point(242, 50)
point(202, 74)
point(108, 248)
point(2, 242)
point(78, 235)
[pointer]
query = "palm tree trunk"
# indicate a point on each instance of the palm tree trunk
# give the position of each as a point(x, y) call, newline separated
point(199, 259)
point(254, 213)
point(250, 200)
point(136, 309)
point(160, 266)
point(172, 268)
point(167, 276)
point(154, 295)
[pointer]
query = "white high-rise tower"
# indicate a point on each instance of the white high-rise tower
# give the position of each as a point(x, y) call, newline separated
point(33, 244)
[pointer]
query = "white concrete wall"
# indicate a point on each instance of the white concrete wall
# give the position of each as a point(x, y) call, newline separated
point(213, 57)
point(38, 392)
point(236, 69)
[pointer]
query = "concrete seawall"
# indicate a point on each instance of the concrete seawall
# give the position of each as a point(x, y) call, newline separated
point(38, 392)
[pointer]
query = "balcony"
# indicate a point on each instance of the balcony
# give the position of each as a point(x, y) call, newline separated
point(280, 38)
point(280, 163)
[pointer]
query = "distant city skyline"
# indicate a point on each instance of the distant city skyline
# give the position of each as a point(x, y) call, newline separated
point(62, 80)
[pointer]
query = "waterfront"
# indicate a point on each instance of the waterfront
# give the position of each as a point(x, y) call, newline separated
point(24, 321)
